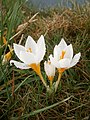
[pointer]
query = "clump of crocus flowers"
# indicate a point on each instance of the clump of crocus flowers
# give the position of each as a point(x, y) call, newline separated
point(33, 53)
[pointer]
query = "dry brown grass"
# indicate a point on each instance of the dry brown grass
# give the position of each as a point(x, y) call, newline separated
point(74, 26)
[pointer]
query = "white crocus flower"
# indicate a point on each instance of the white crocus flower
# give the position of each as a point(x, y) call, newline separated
point(31, 54)
point(63, 56)
point(49, 69)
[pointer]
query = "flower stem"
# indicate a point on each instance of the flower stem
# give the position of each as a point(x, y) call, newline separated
point(36, 68)
point(41, 77)
point(50, 83)
point(58, 80)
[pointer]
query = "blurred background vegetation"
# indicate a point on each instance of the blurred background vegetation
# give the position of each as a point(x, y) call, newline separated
point(22, 95)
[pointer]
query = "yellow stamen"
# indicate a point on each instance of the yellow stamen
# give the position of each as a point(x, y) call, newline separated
point(29, 50)
point(61, 70)
point(62, 54)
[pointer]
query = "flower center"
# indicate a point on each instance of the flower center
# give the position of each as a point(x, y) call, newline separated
point(29, 50)
point(62, 54)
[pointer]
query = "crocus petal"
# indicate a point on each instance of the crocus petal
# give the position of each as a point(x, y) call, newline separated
point(30, 43)
point(27, 58)
point(17, 49)
point(64, 63)
point(19, 64)
point(57, 52)
point(75, 59)
point(62, 44)
point(69, 52)
point(49, 69)
point(54, 61)
point(41, 49)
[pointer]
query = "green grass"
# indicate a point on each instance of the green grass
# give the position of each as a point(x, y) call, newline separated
point(22, 94)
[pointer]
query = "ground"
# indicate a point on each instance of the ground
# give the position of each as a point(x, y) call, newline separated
point(22, 94)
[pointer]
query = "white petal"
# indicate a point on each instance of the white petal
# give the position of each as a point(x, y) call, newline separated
point(54, 62)
point(75, 59)
point(17, 49)
point(46, 68)
point(41, 49)
point(62, 44)
point(57, 52)
point(30, 43)
point(69, 52)
point(49, 69)
point(64, 63)
point(27, 58)
point(19, 64)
